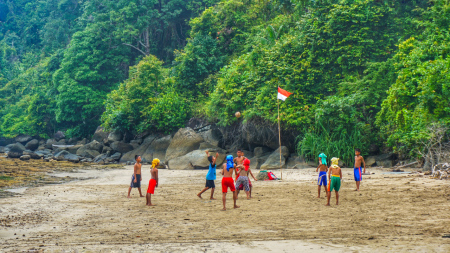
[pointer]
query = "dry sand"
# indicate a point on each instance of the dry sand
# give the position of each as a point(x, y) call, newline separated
point(406, 212)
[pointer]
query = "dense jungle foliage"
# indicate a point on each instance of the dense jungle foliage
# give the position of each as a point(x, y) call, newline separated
point(372, 74)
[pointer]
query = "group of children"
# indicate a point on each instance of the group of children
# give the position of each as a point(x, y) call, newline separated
point(240, 165)
point(334, 173)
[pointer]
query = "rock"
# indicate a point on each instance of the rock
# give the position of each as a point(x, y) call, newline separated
point(296, 162)
point(100, 158)
point(4, 149)
point(261, 151)
point(138, 142)
point(41, 147)
point(198, 123)
point(121, 147)
point(73, 141)
point(134, 145)
point(82, 142)
point(116, 156)
point(262, 176)
point(5, 141)
point(74, 149)
point(273, 161)
point(61, 154)
point(84, 151)
point(106, 149)
point(94, 145)
point(370, 161)
point(213, 136)
point(16, 147)
point(196, 159)
point(256, 162)
point(23, 139)
point(61, 142)
point(59, 135)
point(385, 160)
point(25, 157)
point(183, 142)
point(208, 146)
point(72, 158)
point(12, 154)
point(114, 136)
point(100, 135)
point(32, 155)
point(32, 145)
point(248, 154)
point(157, 149)
point(129, 156)
point(49, 143)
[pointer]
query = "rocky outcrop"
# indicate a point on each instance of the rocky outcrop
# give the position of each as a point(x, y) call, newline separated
point(12, 154)
point(296, 162)
point(183, 142)
point(114, 136)
point(196, 159)
point(49, 143)
point(212, 136)
point(32, 145)
point(16, 147)
point(273, 161)
point(59, 136)
point(121, 147)
point(25, 157)
point(32, 155)
point(23, 139)
point(84, 151)
point(129, 156)
point(100, 135)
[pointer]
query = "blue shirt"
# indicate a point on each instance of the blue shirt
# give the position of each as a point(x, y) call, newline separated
point(211, 173)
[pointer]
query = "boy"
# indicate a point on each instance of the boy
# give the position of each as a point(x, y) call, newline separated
point(153, 181)
point(210, 176)
point(247, 171)
point(136, 178)
point(322, 174)
point(227, 181)
point(334, 176)
point(357, 168)
point(239, 160)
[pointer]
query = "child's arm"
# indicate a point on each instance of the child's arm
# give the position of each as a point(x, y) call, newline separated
point(250, 171)
point(364, 162)
point(221, 171)
point(340, 172)
point(317, 169)
point(207, 153)
point(135, 170)
point(156, 174)
point(329, 174)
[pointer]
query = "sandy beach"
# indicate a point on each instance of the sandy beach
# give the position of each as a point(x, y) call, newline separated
point(392, 212)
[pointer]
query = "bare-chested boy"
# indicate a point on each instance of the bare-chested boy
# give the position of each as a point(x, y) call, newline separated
point(239, 160)
point(357, 168)
point(153, 183)
point(227, 181)
point(136, 178)
point(210, 176)
point(246, 171)
point(334, 177)
point(322, 174)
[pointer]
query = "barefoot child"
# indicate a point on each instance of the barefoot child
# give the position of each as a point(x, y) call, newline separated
point(211, 176)
point(227, 181)
point(247, 171)
point(357, 168)
point(322, 174)
point(334, 176)
point(153, 181)
point(239, 160)
point(136, 178)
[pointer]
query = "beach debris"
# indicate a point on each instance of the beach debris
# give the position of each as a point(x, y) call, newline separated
point(441, 171)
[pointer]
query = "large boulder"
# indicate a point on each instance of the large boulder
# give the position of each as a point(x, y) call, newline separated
point(115, 136)
point(100, 158)
point(60, 155)
point(129, 156)
point(32, 145)
point(116, 156)
point(273, 161)
point(84, 151)
point(16, 147)
point(33, 155)
point(196, 159)
point(296, 162)
point(370, 161)
point(151, 147)
point(183, 142)
point(59, 136)
point(25, 157)
point(11, 154)
point(257, 161)
point(23, 139)
point(49, 143)
point(72, 158)
point(213, 136)
point(4, 149)
point(95, 145)
point(121, 147)
point(100, 135)
point(73, 149)
point(261, 151)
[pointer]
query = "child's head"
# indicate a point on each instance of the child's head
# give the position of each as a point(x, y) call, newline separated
point(239, 152)
point(211, 159)
point(246, 163)
point(334, 162)
point(322, 159)
point(155, 162)
point(357, 151)
point(137, 158)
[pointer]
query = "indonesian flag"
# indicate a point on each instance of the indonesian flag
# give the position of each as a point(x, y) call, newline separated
point(282, 94)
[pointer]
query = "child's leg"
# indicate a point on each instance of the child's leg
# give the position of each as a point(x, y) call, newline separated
point(248, 194)
point(129, 190)
point(357, 185)
point(224, 199)
point(328, 198)
point(337, 198)
point(200, 193)
point(140, 193)
point(318, 190)
point(234, 198)
point(212, 193)
point(146, 198)
point(251, 191)
point(149, 199)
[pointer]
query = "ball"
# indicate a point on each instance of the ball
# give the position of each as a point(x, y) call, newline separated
point(237, 114)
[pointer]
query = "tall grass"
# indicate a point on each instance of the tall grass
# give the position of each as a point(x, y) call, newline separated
point(334, 144)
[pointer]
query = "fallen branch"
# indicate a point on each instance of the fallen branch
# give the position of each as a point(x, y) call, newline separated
point(406, 165)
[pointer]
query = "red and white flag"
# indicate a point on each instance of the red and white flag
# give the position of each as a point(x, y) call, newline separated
point(282, 94)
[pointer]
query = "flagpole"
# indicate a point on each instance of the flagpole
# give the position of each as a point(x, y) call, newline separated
point(279, 135)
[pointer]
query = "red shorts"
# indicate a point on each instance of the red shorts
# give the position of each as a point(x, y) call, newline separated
point(228, 182)
point(151, 186)
point(241, 187)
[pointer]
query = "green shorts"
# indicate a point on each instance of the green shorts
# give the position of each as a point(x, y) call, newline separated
point(335, 183)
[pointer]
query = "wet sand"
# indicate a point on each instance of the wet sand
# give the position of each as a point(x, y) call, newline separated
point(392, 212)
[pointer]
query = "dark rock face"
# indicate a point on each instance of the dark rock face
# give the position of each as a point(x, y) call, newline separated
point(114, 136)
point(5, 141)
point(59, 135)
point(116, 156)
point(49, 143)
point(84, 151)
point(32, 145)
point(121, 147)
point(94, 145)
point(23, 139)
point(16, 147)
point(100, 135)
point(14, 154)
point(273, 161)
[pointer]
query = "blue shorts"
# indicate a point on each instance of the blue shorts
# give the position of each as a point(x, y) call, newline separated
point(322, 178)
point(357, 174)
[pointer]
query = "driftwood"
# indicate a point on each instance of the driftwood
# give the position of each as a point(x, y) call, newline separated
point(406, 165)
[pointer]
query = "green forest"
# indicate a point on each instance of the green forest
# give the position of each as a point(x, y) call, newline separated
point(363, 73)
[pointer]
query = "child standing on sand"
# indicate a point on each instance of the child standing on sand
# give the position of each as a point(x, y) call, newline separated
point(357, 168)
point(246, 164)
point(211, 176)
point(334, 177)
point(153, 183)
point(136, 178)
point(322, 174)
point(227, 181)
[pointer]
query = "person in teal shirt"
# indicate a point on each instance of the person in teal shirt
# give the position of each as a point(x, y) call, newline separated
point(210, 176)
